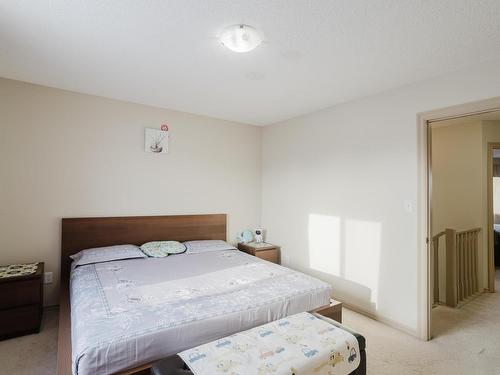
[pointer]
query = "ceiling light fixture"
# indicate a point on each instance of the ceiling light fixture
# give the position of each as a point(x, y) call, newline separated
point(240, 38)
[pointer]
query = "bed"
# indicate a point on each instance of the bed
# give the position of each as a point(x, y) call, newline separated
point(113, 333)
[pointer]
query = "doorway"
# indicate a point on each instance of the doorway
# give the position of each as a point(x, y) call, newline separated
point(471, 234)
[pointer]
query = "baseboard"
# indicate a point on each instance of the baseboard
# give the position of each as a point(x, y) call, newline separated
point(389, 322)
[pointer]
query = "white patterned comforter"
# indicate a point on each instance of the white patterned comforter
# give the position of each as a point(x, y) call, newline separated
point(300, 344)
point(130, 312)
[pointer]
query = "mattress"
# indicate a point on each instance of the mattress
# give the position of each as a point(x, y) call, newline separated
point(131, 312)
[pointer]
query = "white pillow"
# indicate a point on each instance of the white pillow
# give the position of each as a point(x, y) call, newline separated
point(106, 254)
point(204, 246)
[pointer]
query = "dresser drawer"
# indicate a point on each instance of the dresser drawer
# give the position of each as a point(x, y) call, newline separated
point(19, 320)
point(269, 255)
point(19, 293)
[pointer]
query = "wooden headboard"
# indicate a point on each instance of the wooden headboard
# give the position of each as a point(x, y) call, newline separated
point(85, 233)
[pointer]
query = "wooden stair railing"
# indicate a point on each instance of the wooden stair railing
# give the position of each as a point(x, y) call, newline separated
point(467, 262)
point(435, 249)
point(461, 265)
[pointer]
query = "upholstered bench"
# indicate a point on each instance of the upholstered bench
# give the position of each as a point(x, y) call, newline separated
point(175, 365)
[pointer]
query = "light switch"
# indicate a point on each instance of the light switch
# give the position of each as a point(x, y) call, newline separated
point(408, 206)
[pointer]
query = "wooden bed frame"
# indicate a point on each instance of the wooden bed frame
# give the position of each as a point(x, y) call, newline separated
point(84, 233)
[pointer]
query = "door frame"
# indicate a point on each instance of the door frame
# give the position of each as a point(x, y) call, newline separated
point(424, 220)
point(491, 242)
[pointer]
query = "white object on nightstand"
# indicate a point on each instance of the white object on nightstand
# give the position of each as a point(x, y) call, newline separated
point(258, 235)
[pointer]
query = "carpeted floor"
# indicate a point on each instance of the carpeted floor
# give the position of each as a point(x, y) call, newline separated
point(467, 342)
point(32, 354)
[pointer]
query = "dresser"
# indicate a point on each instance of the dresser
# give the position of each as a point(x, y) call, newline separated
point(21, 304)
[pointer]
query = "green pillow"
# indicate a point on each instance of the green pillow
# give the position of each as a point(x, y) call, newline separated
point(161, 249)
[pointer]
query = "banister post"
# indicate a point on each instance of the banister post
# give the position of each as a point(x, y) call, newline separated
point(451, 268)
point(435, 249)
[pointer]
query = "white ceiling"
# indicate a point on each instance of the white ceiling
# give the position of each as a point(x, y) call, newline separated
point(318, 53)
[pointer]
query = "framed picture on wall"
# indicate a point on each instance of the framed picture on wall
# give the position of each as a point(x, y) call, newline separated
point(156, 140)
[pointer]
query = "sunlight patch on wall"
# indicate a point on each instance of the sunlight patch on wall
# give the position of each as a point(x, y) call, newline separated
point(362, 253)
point(324, 244)
point(346, 248)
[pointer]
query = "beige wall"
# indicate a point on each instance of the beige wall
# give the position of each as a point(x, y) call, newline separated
point(457, 186)
point(338, 185)
point(64, 154)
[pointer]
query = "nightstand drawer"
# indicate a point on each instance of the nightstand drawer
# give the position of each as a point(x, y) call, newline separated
point(25, 319)
point(269, 255)
point(19, 293)
point(265, 251)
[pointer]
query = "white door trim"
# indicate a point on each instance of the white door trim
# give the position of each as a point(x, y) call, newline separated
point(424, 199)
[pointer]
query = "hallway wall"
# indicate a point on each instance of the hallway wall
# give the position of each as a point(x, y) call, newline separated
point(457, 185)
point(460, 183)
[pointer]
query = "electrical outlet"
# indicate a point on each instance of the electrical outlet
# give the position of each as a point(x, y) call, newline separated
point(47, 277)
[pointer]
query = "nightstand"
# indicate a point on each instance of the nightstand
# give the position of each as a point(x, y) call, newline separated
point(264, 251)
point(333, 311)
point(21, 303)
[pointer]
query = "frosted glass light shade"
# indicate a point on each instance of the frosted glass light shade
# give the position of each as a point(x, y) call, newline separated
point(240, 38)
